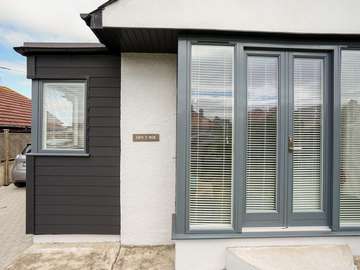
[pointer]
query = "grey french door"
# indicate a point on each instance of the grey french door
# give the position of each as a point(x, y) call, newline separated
point(287, 146)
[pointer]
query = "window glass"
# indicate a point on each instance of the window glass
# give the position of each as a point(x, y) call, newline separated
point(211, 166)
point(63, 115)
point(350, 139)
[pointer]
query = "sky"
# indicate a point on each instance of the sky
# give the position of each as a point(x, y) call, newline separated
point(38, 21)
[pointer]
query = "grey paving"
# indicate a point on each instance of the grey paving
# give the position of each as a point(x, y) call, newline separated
point(13, 240)
point(94, 256)
point(69, 256)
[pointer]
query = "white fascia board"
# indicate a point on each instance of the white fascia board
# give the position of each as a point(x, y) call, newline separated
point(282, 16)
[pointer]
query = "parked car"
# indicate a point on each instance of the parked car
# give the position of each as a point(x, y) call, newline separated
point(19, 169)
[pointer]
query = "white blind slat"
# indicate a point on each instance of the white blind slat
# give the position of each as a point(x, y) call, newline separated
point(307, 132)
point(350, 139)
point(212, 97)
point(261, 163)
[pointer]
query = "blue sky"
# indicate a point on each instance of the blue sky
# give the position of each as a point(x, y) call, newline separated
point(14, 78)
point(38, 21)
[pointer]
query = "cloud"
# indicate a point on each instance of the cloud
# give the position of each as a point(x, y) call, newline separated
point(13, 38)
point(45, 20)
point(17, 68)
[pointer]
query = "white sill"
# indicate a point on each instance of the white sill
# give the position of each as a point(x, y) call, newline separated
point(288, 229)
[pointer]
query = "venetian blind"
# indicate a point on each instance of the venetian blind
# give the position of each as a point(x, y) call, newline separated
point(63, 116)
point(211, 153)
point(307, 135)
point(350, 139)
point(261, 163)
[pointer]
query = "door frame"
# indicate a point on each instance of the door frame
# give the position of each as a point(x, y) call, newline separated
point(312, 218)
point(270, 219)
point(285, 217)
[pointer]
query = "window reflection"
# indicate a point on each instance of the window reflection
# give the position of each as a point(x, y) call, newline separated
point(63, 116)
point(211, 135)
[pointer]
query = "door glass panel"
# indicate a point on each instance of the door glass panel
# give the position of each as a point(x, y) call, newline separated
point(307, 135)
point(262, 106)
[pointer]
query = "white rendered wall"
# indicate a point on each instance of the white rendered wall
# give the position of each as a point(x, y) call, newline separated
point(148, 105)
point(294, 16)
point(210, 254)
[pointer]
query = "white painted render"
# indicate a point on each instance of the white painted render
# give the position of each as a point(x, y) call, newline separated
point(75, 238)
point(148, 105)
point(289, 16)
point(211, 254)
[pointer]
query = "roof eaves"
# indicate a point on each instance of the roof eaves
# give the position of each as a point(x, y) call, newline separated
point(94, 18)
point(32, 48)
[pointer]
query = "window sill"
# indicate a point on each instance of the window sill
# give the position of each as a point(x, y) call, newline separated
point(62, 154)
point(215, 235)
point(317, 232)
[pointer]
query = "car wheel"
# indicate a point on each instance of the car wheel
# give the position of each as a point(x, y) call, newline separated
point(19, 184)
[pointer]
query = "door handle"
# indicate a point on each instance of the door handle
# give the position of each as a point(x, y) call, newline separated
point(291, 146)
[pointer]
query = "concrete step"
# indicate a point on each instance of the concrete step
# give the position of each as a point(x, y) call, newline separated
point(315, 257)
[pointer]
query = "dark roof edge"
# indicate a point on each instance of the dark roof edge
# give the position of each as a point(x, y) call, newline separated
point(94, 18)
point(32, 48)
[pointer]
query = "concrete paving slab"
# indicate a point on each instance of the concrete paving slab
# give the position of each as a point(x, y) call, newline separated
point(149, 258)
point(94, 256)
point(316, 257)
point(13, 240)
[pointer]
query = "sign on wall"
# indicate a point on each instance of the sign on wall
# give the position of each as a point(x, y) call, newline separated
point(146, 137)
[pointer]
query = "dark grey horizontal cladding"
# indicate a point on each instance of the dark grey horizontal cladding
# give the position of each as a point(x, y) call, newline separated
point(77, 219)
point(80, 171)
point(79, 211)
point(78, 201)
point(105, 151)
point(73, 72)
point(72, 180)
point(106, 82)
point(98, 92)
point(105, 141)
point(70, 66)
point(93, 160)
point(81, 195)
point(93, 191)
point(74, 229)
point(77, 61)
point(102, 121)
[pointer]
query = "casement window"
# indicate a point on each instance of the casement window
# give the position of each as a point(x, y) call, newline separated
point(62, 113)
point(261, 142)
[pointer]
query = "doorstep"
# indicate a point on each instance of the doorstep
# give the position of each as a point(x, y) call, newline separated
point(314, 257)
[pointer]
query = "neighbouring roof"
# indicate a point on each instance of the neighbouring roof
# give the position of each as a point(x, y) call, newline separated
point(30, 48)
point(15, 109)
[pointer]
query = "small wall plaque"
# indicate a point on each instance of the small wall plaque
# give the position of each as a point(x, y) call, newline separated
point(146, 137)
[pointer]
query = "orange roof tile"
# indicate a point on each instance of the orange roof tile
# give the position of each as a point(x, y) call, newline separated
point(15, 109)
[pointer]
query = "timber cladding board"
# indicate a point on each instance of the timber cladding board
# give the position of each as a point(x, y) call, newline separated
point(81, 195)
